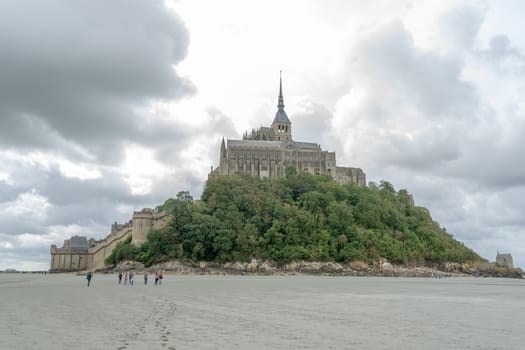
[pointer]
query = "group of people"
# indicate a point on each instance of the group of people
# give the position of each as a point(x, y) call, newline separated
point(131, 278)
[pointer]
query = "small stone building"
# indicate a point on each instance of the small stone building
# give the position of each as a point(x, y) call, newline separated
point(504, 260)
point(73, 256)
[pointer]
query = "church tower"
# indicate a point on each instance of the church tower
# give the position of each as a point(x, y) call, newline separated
point(281, 126)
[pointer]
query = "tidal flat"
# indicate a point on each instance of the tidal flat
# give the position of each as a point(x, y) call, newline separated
point(260, 312)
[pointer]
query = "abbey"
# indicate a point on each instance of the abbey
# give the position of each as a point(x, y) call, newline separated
point(268, 151)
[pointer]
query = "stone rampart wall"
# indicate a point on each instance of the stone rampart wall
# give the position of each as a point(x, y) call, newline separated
point(92, 259)
point(99, 253)
point(63, 260)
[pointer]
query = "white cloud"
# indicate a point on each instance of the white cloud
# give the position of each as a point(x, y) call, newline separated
point(80, 171)
point(5, 177)
point(140, 169)
point(29, 204)
point(6, 245)
point(29, 240)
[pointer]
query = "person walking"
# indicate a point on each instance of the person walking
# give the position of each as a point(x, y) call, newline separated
point(88, 277)
point(160, 278)
point(156, 278)
point(145, 278)
point(131, 279)
point(119, 277)
point(126, 278)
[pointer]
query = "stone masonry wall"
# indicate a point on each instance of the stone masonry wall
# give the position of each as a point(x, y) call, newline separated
point(92, 259)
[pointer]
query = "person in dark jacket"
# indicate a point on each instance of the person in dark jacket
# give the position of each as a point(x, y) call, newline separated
point(88, 277)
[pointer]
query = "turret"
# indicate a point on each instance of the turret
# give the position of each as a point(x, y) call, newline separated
point(142, 225)
point(223, 159)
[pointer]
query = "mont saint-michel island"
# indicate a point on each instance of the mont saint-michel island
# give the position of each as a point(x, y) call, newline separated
point(276, 205)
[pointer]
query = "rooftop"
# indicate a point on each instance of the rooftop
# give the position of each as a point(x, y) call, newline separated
point(254, 143)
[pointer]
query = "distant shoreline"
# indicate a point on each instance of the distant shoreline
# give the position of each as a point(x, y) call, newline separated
point(42, 272)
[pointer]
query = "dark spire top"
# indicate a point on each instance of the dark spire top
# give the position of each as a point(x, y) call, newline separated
point(281, 99)
point(281, 116)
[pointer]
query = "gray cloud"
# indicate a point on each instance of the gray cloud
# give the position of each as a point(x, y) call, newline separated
point(412, 118)
point(200, 146)
point(77, 73)
point(76, 81)
point(433, 149)
point(184, 180)
point(220, 123)
point(63, 191)
point(432, 81)
point(68, 201)
point(505, 58)
point(7, 192)
point(460, 26)
point(30, 257)
point(408, 107)
point(311, 121)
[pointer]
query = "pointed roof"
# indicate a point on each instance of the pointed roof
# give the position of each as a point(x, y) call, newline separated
point(280, 116)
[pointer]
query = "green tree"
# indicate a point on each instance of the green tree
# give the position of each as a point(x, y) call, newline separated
point(299, 216)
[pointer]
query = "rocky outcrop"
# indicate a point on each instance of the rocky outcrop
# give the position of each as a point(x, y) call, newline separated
point(355, 268)
point(129, 265)
point(483, 270)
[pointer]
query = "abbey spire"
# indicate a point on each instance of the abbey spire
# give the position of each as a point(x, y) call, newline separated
point(282, 127)
point(281, 116)
point(280, 104)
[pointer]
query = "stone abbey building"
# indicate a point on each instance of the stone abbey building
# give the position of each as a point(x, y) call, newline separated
point(268, 151)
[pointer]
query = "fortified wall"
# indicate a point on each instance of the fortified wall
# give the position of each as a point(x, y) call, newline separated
point(81, 254)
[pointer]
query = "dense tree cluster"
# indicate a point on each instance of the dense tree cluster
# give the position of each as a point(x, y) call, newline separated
point(297, 217)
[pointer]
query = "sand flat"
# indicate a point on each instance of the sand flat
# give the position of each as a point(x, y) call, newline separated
point(260, 312)
point(61, 312)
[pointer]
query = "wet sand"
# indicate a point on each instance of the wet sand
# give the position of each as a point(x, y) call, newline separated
point(260, 312)
point(61, 312)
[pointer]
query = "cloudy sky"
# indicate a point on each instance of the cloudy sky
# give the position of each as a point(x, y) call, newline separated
point(109, 107)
